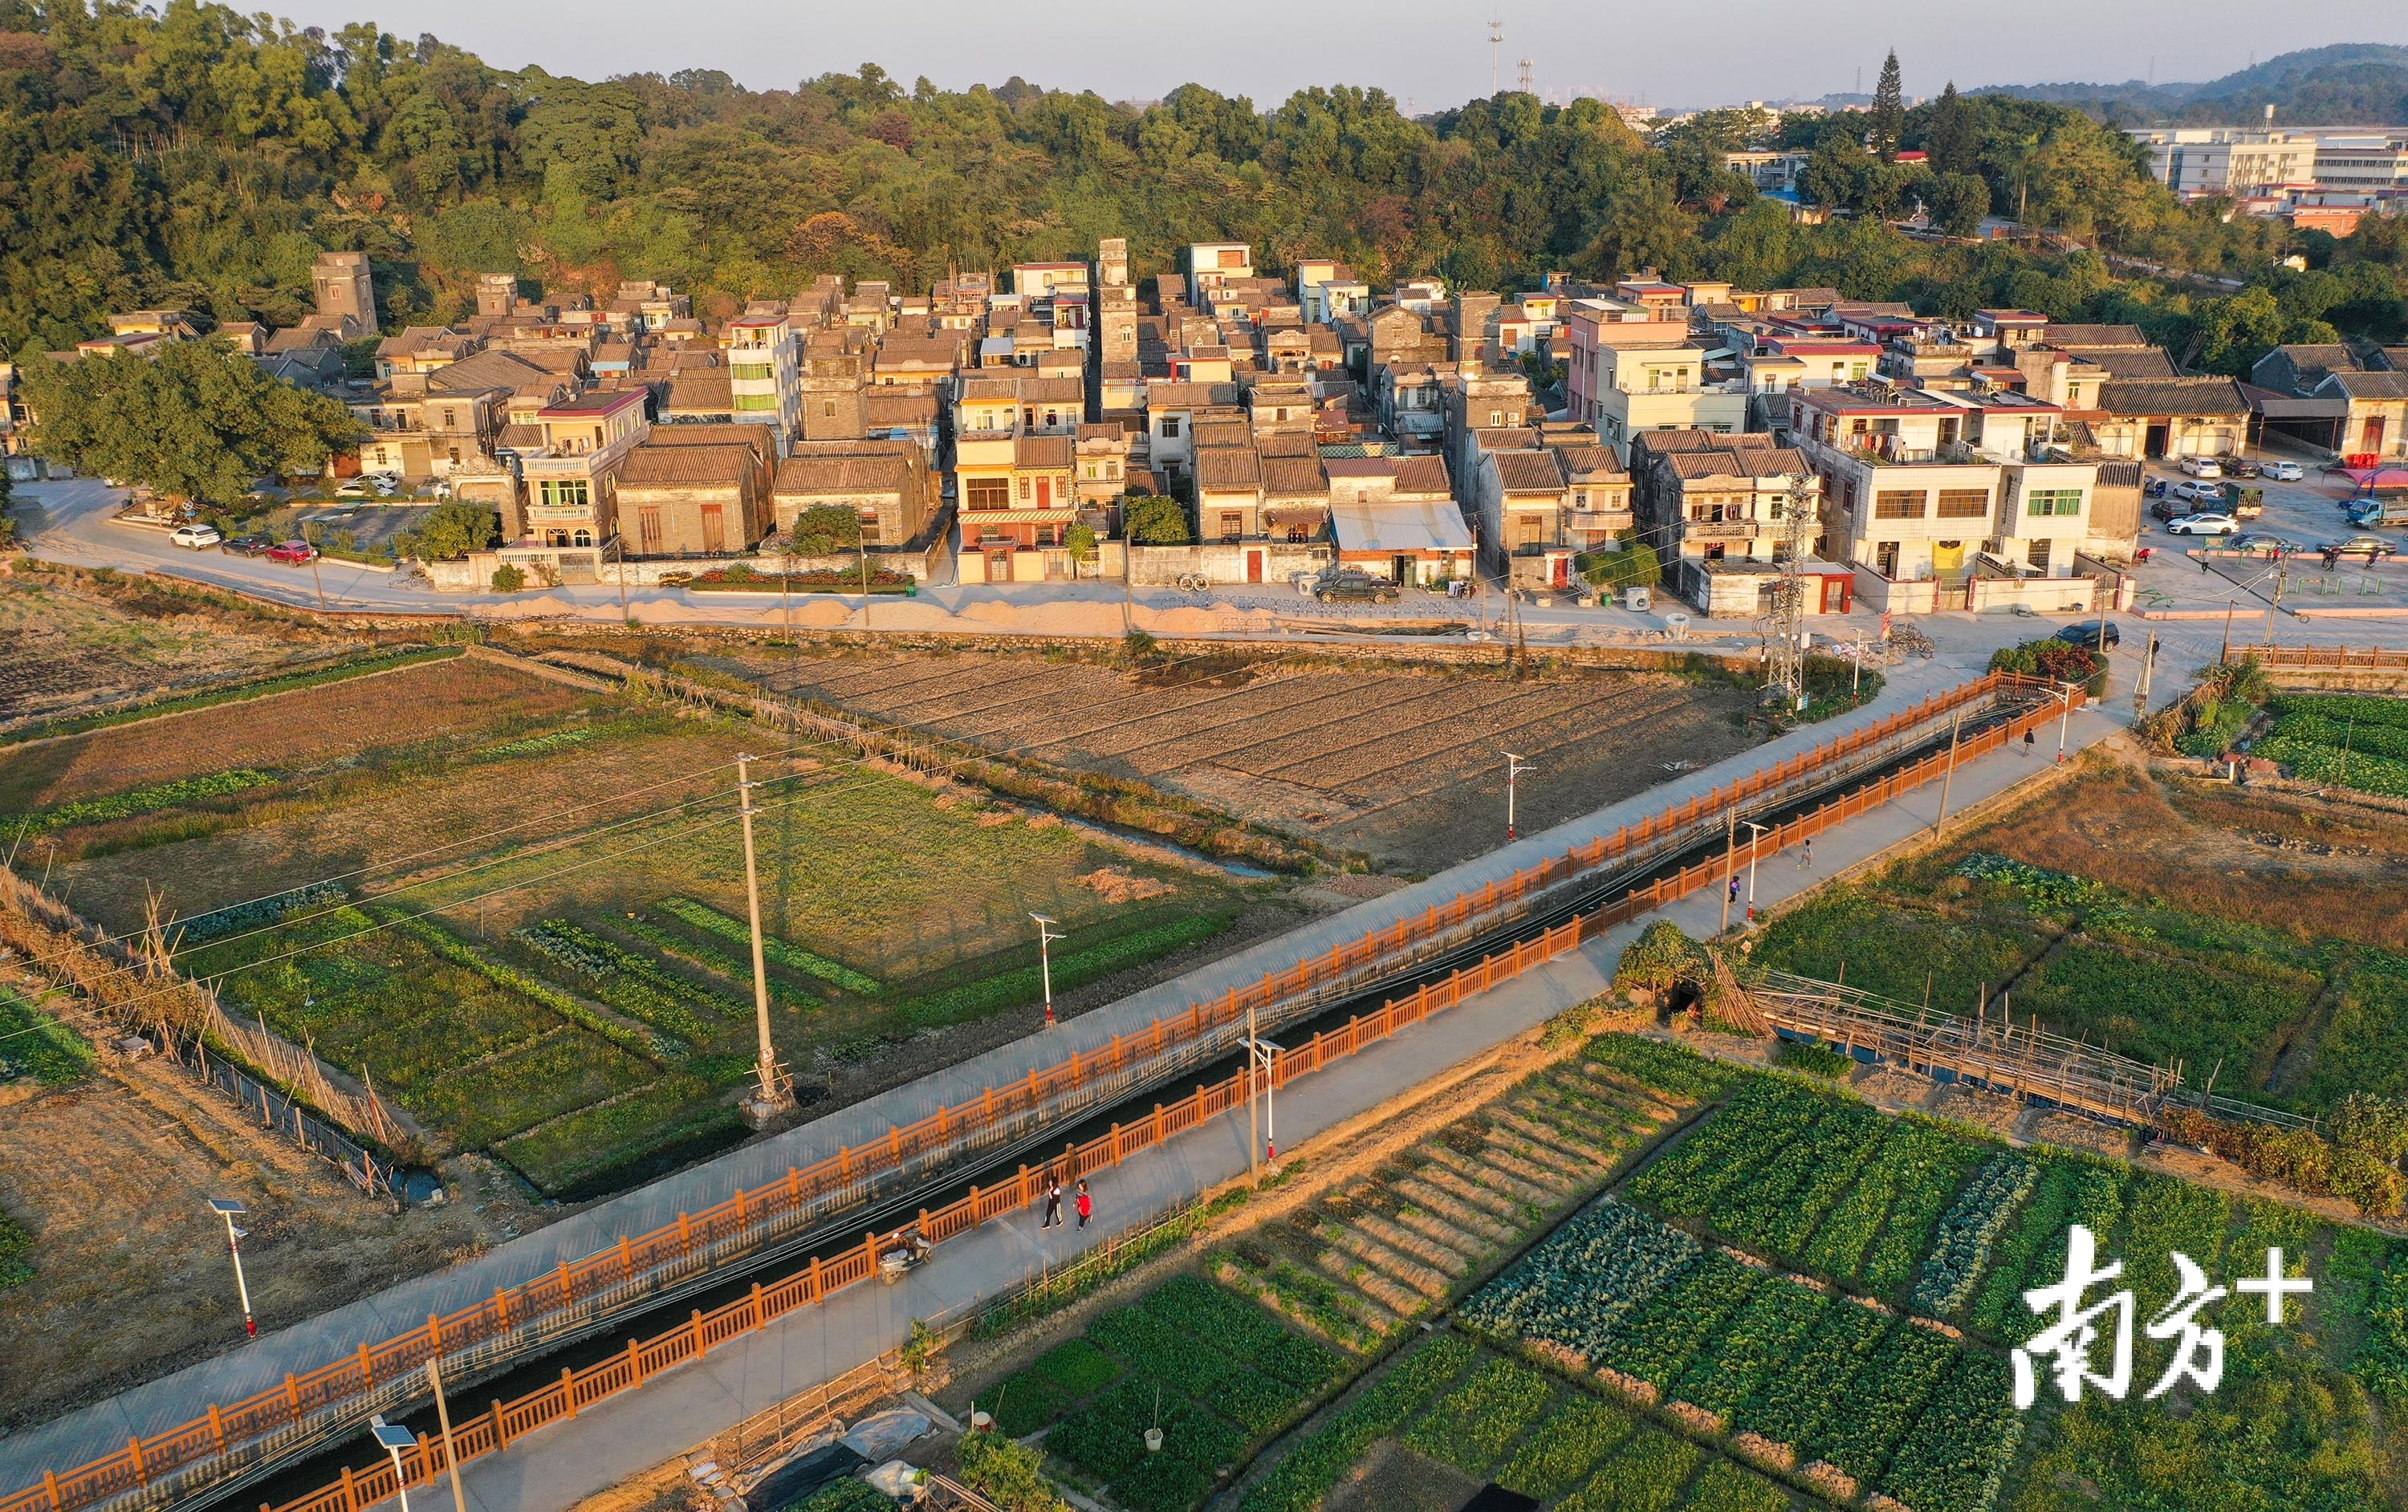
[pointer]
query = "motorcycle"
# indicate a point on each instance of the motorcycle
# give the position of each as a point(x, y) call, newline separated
point(908, 1252)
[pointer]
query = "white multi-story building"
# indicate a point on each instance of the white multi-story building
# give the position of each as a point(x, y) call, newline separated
point(2244, 160)
point(1934, 496)
point(765, 375)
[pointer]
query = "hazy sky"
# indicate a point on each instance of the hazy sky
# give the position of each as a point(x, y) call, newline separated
point(1435, 52)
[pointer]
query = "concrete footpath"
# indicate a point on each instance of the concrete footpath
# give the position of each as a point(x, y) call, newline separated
point(103, 1428)
point(560, 1465)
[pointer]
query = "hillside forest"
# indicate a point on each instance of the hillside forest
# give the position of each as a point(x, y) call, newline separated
point(192, 156)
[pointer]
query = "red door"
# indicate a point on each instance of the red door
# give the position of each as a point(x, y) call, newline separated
point(2373, 441)
point(1563, 572)
point(1253, 566)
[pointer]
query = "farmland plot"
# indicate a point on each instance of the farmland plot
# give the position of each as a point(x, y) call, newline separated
point(1401, 764)
point(1834, 1373)
point(576, 1001)
point(1215, 1373)
point(67, 648)
point(1358, 1266)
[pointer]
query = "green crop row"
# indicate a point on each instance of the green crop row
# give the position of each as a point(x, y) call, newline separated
point(2070, 1191)
point(1580, 1282)
point(703, 917)
point(1052, 1384)
point(1474, 1425)
point(1897, 1379)
point(1755, 1346)
point(1644, 1477)
point(1794, 1404)
point(1658, 1341)
point(1667, 1067)
point(1932, 1166)
point(461, 953)
point(1971, 1227)
point(1723, 1487)
point(537, 744)
point(185, 789)
point(713, 959)
point(1575, 1438)
point(33, 1043)
point(1956, 1459)
point(576, 1150)
point(636, 986)
point(1299, 1482)
point(258, 913)
point(2343, 708)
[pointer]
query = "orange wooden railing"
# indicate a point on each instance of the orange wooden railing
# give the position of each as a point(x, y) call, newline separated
point(382, 1373)
point(2325, 657)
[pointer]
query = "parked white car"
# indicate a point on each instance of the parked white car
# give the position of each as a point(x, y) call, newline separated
point(2285, 472)
point(199, 538)
point(2203, 467)
point(2203, 525)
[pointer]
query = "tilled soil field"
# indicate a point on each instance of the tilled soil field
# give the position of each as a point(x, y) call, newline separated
point(66, 648)
point(1404, 765)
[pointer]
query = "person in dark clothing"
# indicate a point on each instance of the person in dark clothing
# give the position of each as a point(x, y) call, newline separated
point(1086, 1206)
point(2030, 742)
point(1053, 1205)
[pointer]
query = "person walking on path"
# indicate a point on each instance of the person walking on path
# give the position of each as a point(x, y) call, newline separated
point(1734, 890)
point(1053, 1205)
point(1086, 1204)
point(1806, 855)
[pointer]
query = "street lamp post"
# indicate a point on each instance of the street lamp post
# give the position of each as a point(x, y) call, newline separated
point(1514, 767)
point(396, 1440)
point(227, 1207)
point(1045, 939)
point(1755, 833)
point(2064, 717)
point(1262, 1055)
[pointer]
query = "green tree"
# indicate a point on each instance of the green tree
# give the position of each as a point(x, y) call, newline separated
point(199, 420)
point(1958, 202)
point(1952, 138)
point(1150, 520)
point(1080, 541)
point(508, 579)
point(450, 531)
point(824, 529)
point(1889, 111)
point(1834, 174)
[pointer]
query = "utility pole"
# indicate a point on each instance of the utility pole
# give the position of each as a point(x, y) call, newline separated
point(777, 1093)
point(227, 1207)
point(1948, 773)
point(622, 574)
point(1754, 837)
point(443, 1418)
point(319, 581)
point(2148, 666)
point(1785, 679)
point(2064, 717)
point(1045, 939)
point(1514, 767)
point(2226, 654)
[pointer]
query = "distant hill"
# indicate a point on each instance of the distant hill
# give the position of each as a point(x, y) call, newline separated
point(2350, 83)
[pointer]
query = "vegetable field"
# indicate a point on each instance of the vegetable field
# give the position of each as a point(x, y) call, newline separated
point(518, 907)
point(1804, 1296)
point(1216, 1374)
